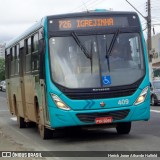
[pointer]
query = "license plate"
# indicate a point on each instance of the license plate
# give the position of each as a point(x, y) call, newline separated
point(103, 120)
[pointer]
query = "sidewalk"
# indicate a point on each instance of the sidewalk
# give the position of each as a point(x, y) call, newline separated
point(8, 144)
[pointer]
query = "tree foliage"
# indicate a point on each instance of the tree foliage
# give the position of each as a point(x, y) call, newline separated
point(2, 69)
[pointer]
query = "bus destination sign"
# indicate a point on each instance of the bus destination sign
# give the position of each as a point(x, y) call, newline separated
point(85, 23)
point(88, 23)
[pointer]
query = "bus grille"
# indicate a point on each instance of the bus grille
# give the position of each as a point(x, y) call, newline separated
point(100, 95)
point(90, 117)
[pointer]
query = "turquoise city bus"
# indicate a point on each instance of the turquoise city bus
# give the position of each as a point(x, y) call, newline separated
point(79, 70)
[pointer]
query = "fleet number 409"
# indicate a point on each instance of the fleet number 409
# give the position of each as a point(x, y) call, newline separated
point(123, 101)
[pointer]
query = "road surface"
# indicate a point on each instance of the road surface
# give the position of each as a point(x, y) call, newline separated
point(144, 136)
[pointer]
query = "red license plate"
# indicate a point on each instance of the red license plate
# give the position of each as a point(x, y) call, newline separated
point(103, 120)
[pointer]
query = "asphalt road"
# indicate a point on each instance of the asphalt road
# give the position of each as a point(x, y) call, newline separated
point(144, 136)
point(3, 94)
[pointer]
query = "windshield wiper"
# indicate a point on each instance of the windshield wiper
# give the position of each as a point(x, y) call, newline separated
point(83, 48)
point(113, 42)
point(108, 51)
point(91, 53)
point(107, 57)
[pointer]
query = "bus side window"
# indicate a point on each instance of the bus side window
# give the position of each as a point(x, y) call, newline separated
point(12, 61)
point(17, 59)
point(11, 56)
point(28, 55)
point(7, 64)
point(35, 55)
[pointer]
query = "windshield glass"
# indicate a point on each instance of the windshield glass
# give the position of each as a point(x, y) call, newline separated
point(91, 62)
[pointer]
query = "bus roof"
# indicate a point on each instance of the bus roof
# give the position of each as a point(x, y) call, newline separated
point(30, 30)
point(91, 13)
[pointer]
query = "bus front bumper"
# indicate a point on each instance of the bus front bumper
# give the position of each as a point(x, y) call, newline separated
point(61, 118)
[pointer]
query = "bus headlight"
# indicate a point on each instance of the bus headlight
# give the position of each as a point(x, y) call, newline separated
point(142, 96)
point(59, 103)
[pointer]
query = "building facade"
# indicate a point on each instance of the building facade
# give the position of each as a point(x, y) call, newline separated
point(156, 55)
point(2, 50)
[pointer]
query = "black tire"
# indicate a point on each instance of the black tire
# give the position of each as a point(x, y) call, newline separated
point(45, 133)
point(21, 122)
point(31, 124)
point(123, 128)
point(153, 103)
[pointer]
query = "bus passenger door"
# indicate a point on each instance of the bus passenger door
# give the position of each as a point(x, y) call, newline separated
point(8, 86)
point(21, 76)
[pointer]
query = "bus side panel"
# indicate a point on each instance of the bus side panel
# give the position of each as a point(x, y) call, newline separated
point(21, 92)
point(29, 86)
point(17, 96)
point(8, 93)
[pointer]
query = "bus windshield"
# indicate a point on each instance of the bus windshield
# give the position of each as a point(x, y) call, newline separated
point(107, 64)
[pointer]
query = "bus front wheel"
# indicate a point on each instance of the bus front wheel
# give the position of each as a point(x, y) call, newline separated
point(123, 128)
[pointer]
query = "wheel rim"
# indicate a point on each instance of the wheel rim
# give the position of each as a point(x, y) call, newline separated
point(152, 100)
